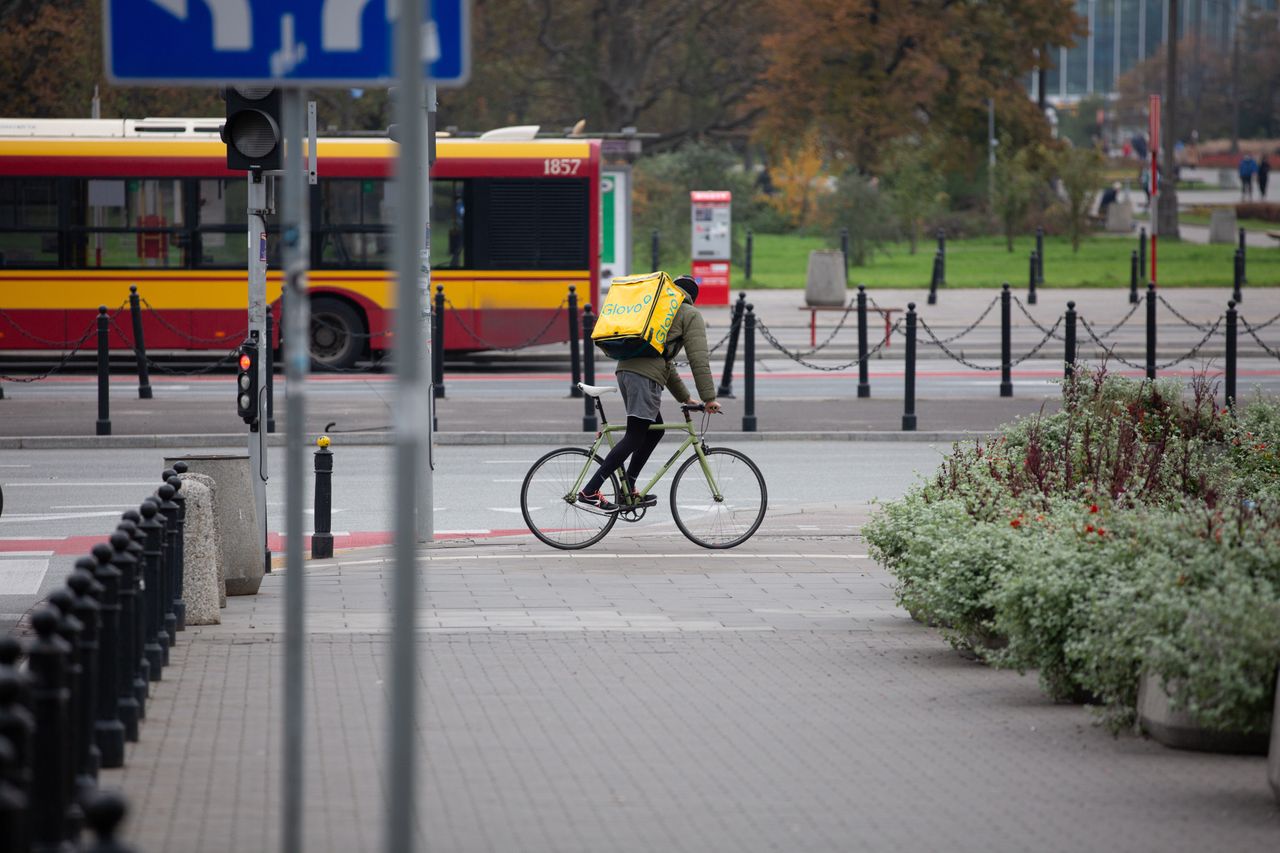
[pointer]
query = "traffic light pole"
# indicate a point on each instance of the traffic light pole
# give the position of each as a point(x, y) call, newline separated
point(259, 207)
point(425, 519)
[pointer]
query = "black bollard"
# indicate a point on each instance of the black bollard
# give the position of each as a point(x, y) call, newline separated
point(86, 608)
point(1039, 255)
point(1006, 342)
point(1230, 379)
point(155, 639)
point(126, 696)
point(47, 666)
point(735, 327)
point(1151, 331)
point(75, 747)
point(1142, 255)
point(575, 345)
point(1244, 275)
point(909, 373)
point(749, 371)
point(653, 253)
point(933, 278)
point(322, 538)
point(108, 730)
point(588, 367)
point(168, 557)
point(437, 345)
point(16, 726)
point(751, 245)
point(139, 344)
point(942, 258)
point(864, 384)
point(1069, 358)
point(13, 804)
point(1133, 278)
point(1237, 276)
point(269, 367)
point(1031, 281)
point(10, 654)
point(104, 375)
point(104, 814)
point(138, 632)
point(178, 570)
point(844, 251)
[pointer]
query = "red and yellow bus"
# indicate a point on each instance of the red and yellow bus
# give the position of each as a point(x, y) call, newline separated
point(90, 207)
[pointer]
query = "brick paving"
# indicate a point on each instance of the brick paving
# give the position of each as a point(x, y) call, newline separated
point(648, 695)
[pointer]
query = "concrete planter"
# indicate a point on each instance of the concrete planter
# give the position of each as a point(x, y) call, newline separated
point(236, 517)
point(1178, 730)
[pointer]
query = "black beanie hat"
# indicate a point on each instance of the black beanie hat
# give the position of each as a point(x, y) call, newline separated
point(689, 285)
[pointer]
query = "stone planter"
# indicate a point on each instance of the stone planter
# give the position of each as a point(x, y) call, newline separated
point(1178, 730)
point(236, 517)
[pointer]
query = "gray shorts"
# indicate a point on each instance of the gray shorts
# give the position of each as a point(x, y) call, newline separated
point(642, 396)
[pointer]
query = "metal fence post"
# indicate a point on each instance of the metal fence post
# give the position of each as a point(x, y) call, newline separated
point(127, 704)
point(179, 544)
point(1070, 357)
point(322, 538)
point(749, 371)
point(104, 375)
point(437, 345)
point(589, 423)
point(1031, 280)
point(47, 666)
point(170, 510)
point(1151, 331)
point(1244, 273)
point(108, 730)
point(909, 373)
point(942, 257)
point(1142, 255)
point(751, 245)
point(1230, 380)
point(1006, 342)
point(575, 345)
point(1237, 276)
point(269, 359)
point(933, 278)
point(735, 327)
point(139, 344)
point(864, 386)
point(1133, 278)
point(1039, 255)
point(138, 666)
point(844, 251)
point(653, 250)
point(152, 551)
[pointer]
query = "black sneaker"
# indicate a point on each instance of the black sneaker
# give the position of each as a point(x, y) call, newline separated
point(597, 500)
point(643, 500)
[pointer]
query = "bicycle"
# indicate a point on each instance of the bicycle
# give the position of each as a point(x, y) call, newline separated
point(722, 508)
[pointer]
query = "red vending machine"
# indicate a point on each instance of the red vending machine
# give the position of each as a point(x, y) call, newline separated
point(712, 244)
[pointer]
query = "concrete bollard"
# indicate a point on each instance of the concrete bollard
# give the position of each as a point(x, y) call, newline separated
point(204, 585)
point(236, 516)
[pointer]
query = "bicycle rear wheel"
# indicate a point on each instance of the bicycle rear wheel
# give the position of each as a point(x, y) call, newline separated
point(735, 516)
point(549, 504)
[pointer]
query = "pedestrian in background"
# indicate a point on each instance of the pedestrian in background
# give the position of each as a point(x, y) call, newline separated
point(1248, 167)
point(1264, 171)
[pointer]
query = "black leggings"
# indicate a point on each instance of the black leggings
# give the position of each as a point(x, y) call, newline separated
point(637, 442)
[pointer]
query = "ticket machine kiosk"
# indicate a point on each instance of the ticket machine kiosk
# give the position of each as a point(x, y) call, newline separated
point(712, 244)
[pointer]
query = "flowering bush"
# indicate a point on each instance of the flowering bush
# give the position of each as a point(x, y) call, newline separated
point(1136, 529)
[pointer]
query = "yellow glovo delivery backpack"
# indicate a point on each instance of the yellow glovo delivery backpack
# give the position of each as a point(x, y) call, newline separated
point(637, 315)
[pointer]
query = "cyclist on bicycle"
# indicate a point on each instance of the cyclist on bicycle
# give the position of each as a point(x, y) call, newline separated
point(641, 380)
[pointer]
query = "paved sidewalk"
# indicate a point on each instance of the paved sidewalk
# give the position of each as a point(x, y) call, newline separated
point(648, 695)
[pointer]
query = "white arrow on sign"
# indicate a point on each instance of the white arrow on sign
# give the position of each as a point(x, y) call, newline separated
point(232, 30)
point(340, 24)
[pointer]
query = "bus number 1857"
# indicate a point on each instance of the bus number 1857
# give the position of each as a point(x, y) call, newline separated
point(561, 166)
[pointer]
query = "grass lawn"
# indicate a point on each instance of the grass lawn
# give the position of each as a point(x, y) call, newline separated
point(781, 261)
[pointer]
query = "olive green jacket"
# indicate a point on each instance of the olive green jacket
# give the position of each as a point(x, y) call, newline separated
point(688, 332)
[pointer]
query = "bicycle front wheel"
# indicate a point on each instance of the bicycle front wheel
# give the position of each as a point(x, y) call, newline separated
point(549, 504)
point(731, 518)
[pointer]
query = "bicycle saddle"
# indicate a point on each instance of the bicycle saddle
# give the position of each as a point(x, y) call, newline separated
point(596, 390)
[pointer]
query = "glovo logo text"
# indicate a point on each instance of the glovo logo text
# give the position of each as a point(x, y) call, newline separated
point(614, 309)
point(664, 328)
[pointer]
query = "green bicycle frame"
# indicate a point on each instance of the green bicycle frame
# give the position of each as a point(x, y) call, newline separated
point(606, 435)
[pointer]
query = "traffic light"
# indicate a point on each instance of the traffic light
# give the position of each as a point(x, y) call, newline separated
point(252, 129)
point(247, 382)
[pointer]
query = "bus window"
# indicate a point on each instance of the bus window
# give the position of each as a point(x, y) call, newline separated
point(28, 222)
point(128, 223)
point(222, 222)
point(448, 225)
point(354, 230)
point(530, 224)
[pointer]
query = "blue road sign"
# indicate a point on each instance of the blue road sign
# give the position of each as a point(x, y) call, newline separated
point(282, 42)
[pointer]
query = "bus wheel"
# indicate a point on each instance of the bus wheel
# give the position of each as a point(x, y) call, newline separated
point(336, 332)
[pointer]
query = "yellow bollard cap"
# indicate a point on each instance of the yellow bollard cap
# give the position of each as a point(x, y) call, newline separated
point(322, 442)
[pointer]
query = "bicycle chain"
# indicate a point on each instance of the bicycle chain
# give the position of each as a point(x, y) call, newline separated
point(489, 345)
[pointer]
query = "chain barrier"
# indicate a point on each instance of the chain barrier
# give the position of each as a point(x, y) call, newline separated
point(160, 318)
point(1192, 323)
point(90, 332)
point(157, 366)
point(45, 341)
point(1026, 313)
point(1253, 333)
point(1262, 326)
point(1110, 351)
point(798, 358)
point(976, 323)
point(457, 315)
point(1049, 335)
point(840, 325)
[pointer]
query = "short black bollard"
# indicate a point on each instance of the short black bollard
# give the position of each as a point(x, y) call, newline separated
point(1151, 331)
point(16, 726)
point(588, 367)
point(1031, 280)
point(735, 327)
point(1244, 275)
point(104, 814)
point(179, 545)
point(1006, 342)
point(575, 345)
point(1230, 379)
point(104, 375)
point(749, 371)
point(126, 696)
point(909, 373)
point(1142, 255)
point(942, 257)
point(47, 666)
point(140, 666)
point(155, 639)
point(437, 344)
point(933, 278)
point(844, 251)
point(13, 803)
point(1039, 255)
point(751, 246)
point(653, 253)
point(108, 730)
point(1069, 357)
point(1133, 278)
point(864, 385)
point(89, 612)
point(170, 552)
point(76, 746)
point(1237, 276)
point(139, 344)
point(322, 538)
point(269, 367)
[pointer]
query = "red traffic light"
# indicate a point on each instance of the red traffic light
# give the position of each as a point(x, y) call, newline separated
point(245, 361)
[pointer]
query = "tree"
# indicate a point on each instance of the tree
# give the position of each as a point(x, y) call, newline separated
point(1080, 173)
point(914, 182)
point(1014, 183)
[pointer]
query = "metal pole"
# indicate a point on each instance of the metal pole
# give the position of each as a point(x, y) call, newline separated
point(1070, 357)
point(1039, 255)
point(1142, 256)
point(991, 155)
point(322, 538)
point(256, 214)
point(735, 327)
point(1006, 342)
point(909, 373)
point(269, 356)
point(588, 368)
point(424, 520)
point(1231, 355)
point(942, 258)
point(575, 345)
point(413, 407)
point(1031, 281)
point(139, 344)
point(864, 385)
point(1151, 330)
point(844, 251)
point(933, 278)
point(750, 252)
point(437, 365)
point(653, 249)
point(1133, 278)
point(1244, 273)
point(104, 375)
point(749, 376)
point(296, 233)
point(1237, 276)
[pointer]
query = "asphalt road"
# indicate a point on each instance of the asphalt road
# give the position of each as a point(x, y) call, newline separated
point(53, 496)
